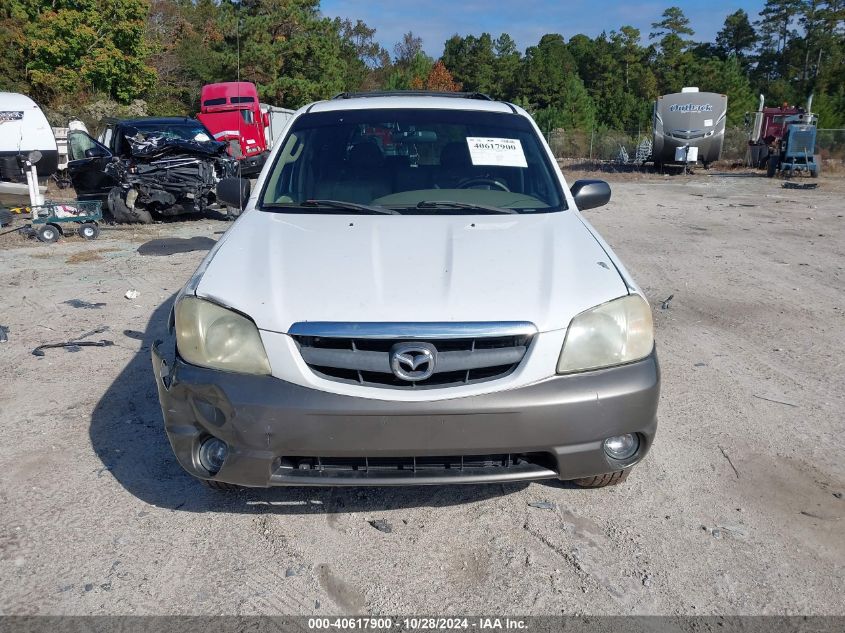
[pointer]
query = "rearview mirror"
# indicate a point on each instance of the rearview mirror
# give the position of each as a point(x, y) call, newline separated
point(234, 191)
point(419, 136)
point(590, 194)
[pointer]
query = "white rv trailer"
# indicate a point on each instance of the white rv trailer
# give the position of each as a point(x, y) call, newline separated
point(689, 127)
point(23, 129)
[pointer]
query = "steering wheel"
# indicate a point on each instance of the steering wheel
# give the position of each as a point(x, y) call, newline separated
point(472, 182)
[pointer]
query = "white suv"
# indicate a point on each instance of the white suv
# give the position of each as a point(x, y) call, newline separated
point(411, 296)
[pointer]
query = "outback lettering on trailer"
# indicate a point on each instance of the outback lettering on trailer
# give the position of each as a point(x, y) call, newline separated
point(691, 107)
point(11, 115)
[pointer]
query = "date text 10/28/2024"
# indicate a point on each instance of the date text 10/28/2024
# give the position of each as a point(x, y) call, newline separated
point(417, 624)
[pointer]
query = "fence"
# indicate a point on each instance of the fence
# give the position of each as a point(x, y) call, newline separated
point(634, 146)
point(831, 143)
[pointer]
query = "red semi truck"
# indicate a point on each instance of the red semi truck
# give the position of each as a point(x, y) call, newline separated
point(232, 113)
point(769, 127)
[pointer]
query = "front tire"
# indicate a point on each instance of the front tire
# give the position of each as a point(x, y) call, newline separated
point(220, 485)
point(772, 167)
point(600, 481)
point(122, 212)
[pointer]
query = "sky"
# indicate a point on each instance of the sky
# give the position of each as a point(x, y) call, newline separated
point(526, 21)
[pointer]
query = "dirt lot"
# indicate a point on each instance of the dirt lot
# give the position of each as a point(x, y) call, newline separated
point(738, 509)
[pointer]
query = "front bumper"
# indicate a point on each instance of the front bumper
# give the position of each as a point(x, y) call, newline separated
point(252, 165)
point(265, 421)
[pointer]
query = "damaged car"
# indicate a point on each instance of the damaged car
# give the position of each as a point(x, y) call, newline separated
point(147, 167)
point(411, 296)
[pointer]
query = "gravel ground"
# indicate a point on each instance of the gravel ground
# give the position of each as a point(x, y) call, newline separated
point(737, 510)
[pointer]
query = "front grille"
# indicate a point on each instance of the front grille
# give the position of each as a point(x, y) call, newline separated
point(424, 464)
point(367, 361)
point(688, 134)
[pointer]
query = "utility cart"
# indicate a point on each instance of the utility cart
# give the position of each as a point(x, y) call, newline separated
point(49, 219)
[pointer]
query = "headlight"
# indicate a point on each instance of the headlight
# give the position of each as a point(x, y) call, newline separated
point(210, 336)
point(616, 332)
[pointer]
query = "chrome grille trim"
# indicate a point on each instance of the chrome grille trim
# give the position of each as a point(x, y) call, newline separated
point(412, 331)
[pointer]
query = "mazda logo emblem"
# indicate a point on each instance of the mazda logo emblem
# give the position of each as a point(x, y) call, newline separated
point(413, 361)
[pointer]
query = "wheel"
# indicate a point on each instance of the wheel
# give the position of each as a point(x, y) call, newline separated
point(220, 485)
point(48, 233)
point(600, 481)
point(6, 217)
point(772, 167)
point(88, 231)
point(122, 212)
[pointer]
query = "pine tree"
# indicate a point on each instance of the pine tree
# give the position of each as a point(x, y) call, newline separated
point(737, 35)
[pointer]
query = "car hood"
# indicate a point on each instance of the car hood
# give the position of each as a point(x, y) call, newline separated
point(285, 268)
point(153, 147)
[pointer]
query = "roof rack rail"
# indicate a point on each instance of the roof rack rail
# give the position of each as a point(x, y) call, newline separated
point(414, 93)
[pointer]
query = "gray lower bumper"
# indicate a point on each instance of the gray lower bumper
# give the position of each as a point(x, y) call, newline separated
point(253, 165)
point(264, 419)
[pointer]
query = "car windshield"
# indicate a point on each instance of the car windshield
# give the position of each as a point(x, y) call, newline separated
point(412, 161)
point(185, 131)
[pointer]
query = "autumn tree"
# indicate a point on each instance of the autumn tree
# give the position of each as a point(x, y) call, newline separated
point(440, 79)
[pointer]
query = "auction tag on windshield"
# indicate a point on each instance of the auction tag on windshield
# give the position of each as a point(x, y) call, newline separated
point(503, 152)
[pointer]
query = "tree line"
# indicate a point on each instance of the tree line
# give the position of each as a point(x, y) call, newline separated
point(156, 54)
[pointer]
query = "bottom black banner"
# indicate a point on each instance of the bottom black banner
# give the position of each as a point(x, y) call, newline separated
point(387, 624)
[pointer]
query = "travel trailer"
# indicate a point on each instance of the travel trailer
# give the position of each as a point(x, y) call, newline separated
point(689, 127)
point(23, 130)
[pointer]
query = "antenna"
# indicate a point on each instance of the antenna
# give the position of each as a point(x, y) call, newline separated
point(243, 149)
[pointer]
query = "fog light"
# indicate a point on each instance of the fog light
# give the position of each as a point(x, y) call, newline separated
point(621, 446)
point(213, 453)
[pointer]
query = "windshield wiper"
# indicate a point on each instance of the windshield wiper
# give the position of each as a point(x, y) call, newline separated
point(351, 206)
point(451, 204)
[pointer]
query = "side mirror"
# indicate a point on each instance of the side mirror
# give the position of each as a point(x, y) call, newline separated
point(265, 117)
point(234, 191)
point(95, 152)
point(590, 194)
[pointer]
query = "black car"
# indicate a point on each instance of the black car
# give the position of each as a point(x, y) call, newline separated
point(147, 166)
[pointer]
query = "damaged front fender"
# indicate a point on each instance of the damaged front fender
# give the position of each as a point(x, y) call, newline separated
point(168, 176)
